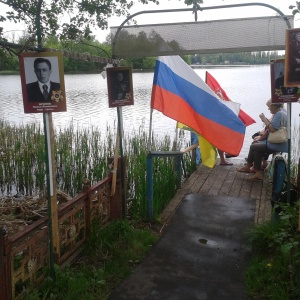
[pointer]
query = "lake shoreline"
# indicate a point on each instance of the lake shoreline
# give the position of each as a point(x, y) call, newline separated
point(11, 72)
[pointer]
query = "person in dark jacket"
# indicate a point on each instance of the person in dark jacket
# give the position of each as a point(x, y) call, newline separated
point(41, 90)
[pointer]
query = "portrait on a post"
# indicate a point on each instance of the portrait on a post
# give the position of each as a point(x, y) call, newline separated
point(292, 57)
point(119, 86)
point(42, 80)
point(280, 93)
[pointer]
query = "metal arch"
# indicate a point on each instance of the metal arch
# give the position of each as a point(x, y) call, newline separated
point(192, 10)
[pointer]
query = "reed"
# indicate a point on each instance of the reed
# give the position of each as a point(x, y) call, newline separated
point(83, 153)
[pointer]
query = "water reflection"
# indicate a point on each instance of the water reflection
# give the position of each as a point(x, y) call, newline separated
point(87, 102)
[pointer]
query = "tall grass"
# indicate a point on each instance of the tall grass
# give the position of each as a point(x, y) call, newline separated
point(80, 154)
point(274, 271)
point(108, 257)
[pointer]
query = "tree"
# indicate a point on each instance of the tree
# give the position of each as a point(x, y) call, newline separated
point(84, 14)
point(295, 8)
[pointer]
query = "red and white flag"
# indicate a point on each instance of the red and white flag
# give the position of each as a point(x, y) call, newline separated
point(214, 85)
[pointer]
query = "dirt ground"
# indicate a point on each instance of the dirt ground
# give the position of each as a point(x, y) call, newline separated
point(17, 213)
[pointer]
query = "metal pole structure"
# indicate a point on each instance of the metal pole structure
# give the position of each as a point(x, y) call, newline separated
point(298, 175)
point(149, 186)
point(150, 130)
point(120, 129)
point(289, 113)
point(51, 192)
point(194, 9)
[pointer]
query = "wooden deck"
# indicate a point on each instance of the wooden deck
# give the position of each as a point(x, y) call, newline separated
point(225, 181)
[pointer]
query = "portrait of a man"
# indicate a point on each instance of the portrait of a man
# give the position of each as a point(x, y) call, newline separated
point(292, 50)
point(42, 79)
point(119, 83)
point(42, 89)
point(120, 86)
point(280, 93)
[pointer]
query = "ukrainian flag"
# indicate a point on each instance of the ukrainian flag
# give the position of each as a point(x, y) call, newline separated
point(208, 152)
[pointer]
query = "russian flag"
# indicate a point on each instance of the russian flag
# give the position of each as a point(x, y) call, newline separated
point(179, 93)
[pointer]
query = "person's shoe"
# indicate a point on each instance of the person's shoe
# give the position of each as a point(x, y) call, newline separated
point(256, 177)
point(244, 169)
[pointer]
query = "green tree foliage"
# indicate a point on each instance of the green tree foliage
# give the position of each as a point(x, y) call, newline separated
point(295, 8)
point(82, 14)
point(246, 58)
point(88, 46)
point(8, 60)
point(144, 43)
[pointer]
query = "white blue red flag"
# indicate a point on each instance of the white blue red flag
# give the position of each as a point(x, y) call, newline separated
point(180, 93)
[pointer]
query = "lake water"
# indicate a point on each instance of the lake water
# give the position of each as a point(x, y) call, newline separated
point(87, 102)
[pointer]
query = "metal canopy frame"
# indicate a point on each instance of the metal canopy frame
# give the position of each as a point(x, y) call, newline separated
point(194, 9)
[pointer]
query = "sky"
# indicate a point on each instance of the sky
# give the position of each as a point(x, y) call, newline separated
point(171, 17)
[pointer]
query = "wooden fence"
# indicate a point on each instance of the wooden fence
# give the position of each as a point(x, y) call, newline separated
point(24, 257)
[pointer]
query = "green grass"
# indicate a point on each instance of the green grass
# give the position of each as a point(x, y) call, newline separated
point(275, 267)
point(109, 256)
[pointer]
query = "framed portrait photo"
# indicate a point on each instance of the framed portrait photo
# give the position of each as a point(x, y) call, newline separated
point(119, 86)
point(292, 57)
point(280, 93)
point(42, 79)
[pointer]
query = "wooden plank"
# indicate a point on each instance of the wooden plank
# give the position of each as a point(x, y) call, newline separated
point(219, 178)
point(246, 189)
point(265, 209)
point(237, 185)
point(226, 181)
point(256, 190)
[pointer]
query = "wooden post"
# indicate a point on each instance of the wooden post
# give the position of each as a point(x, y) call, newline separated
point(51, 188)
point(88, 204)
point(116, 199)
point(5, 277)
point(115, 166)
point(149, 187)
point(178, 171)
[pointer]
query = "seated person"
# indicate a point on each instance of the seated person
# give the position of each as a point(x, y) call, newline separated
point(258, 150)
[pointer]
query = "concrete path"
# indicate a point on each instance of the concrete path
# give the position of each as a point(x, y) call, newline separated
point(202, 253)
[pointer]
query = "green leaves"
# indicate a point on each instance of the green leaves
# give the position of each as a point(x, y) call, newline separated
point(295, 9)
point(66, 18)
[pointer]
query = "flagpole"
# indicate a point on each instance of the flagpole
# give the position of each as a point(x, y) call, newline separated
point(175, 140)
point(150, 131)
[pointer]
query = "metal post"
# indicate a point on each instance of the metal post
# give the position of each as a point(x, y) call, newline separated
point(48, 159)
point(49, 193)
point(194, 9)
point(178, 170)
point(149, 186)
point(120, 128)
point(289, 112)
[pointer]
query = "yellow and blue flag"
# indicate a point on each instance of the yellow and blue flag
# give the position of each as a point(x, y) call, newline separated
point(208, 152)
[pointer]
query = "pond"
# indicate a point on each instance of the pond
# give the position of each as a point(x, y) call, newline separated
point(87, 101)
